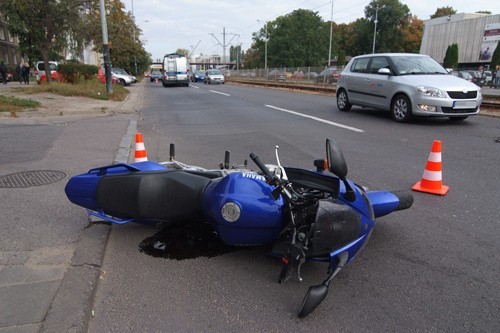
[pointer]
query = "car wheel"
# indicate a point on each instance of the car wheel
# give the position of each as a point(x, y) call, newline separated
point(458, 118)
point(343, 101)
point(401, 109)
point(122, 82)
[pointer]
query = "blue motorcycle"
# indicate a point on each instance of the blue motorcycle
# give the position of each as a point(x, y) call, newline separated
point(305, 215)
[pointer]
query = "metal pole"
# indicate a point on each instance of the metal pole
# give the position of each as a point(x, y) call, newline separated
point(375, 29)
point(331, 32)
point(265, 50)
point(107, 58)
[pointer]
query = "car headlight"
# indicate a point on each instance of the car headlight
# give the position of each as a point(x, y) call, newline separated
point(430, 91)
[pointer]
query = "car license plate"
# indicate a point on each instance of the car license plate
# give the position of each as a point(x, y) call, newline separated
point(464, 104)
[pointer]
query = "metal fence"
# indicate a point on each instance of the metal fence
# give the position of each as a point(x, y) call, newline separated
point(290, 75)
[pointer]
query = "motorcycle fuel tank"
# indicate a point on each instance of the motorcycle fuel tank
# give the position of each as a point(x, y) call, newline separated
point(242, 210)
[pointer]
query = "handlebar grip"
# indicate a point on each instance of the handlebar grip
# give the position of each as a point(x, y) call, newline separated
point(265, 170)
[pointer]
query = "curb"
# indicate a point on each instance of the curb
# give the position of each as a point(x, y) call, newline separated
point(70, 310)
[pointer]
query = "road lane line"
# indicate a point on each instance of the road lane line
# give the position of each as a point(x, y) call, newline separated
point(218, 92)
point(194, 86)
point(317, 119)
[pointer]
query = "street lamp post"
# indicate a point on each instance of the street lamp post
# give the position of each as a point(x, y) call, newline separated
point(265, 45)
point(107, 58)
point(375, 28)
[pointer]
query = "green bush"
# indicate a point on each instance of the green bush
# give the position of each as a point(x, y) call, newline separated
point(451, 56)
point(75, 72)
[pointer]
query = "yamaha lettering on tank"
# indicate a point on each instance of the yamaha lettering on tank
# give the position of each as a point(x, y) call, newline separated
point(259, 218)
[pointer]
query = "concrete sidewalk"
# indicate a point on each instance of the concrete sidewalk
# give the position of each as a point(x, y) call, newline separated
point(47, 285)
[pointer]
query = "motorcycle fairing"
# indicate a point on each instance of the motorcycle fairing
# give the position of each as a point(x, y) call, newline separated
point(313, 180)
point(335, 226)
point(160, 195)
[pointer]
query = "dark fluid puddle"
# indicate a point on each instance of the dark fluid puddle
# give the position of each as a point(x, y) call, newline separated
point(185, 241)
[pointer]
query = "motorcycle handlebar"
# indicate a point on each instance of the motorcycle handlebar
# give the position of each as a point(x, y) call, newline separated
point(265, 170)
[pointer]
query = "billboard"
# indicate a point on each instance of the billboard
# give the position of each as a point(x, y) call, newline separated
point(490, 41)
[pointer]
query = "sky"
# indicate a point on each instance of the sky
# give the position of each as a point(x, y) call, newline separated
point(198, 25)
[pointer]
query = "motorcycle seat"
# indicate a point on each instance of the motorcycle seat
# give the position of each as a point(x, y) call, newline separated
point(170, 195)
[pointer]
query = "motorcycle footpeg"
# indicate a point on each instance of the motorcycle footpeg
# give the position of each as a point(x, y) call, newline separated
point(286, 271)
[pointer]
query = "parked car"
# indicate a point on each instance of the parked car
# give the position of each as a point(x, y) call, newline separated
point(122, 76)
point(465, 75)
point(406, 85)
point(155, 75)
point(310, 75)
point(329, 75)
point(8, 77)
point(278, 75)
point(213, 76)
point(40, 71)
point(297, 75)
point(486, 77)
point(101, 77)
point(197, 76)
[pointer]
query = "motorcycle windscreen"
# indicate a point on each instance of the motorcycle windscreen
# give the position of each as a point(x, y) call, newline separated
point(335, 226)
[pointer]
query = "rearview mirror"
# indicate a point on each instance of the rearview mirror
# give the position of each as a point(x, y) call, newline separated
point(336, 162)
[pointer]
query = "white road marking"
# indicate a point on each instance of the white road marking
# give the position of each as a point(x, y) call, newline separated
point(218, 92)
point(194, 86)
point(317, 119)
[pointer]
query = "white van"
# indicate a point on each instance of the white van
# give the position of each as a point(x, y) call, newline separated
point(40, 71)
point(174, 70)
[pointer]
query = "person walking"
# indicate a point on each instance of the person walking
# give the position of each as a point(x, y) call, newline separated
point(26, 73)
point(497, 77)
point(3, 72)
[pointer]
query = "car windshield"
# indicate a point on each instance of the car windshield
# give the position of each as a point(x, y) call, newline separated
point(215, 72)
point(119, 71)
point(408, 65)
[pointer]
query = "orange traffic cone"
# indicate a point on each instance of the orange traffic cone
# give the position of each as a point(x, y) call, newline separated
point(432, 180)
point(140, 150)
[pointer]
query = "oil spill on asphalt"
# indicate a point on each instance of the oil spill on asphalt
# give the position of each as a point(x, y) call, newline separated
point(185, 241)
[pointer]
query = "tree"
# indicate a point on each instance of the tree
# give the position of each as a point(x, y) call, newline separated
point(495, 58)
point(341, 59)
point(184, 52)
point(443, 11)
point(126, 49)
point(393, 17)
point(294, 40)
point(451, 56)
point(44, 32)
point(412, 35)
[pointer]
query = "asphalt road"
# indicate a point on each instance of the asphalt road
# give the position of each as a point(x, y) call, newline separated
point(432, 268)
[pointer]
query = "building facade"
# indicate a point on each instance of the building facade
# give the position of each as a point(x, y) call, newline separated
point(9, 46)
point(476, 35)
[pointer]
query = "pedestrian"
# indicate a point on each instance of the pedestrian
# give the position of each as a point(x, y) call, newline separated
point(3, 72)
point(19, 70)
point(497, 77)
point(26, 73)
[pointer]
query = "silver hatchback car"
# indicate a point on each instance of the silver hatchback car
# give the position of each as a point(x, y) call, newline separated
point(406, 84)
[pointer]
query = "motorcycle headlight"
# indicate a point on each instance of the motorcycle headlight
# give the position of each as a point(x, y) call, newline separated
point(430, 91)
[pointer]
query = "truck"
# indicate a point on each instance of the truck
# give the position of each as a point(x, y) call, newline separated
point(175, 70)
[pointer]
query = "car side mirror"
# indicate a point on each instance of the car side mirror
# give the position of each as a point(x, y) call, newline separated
point(384, 71)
